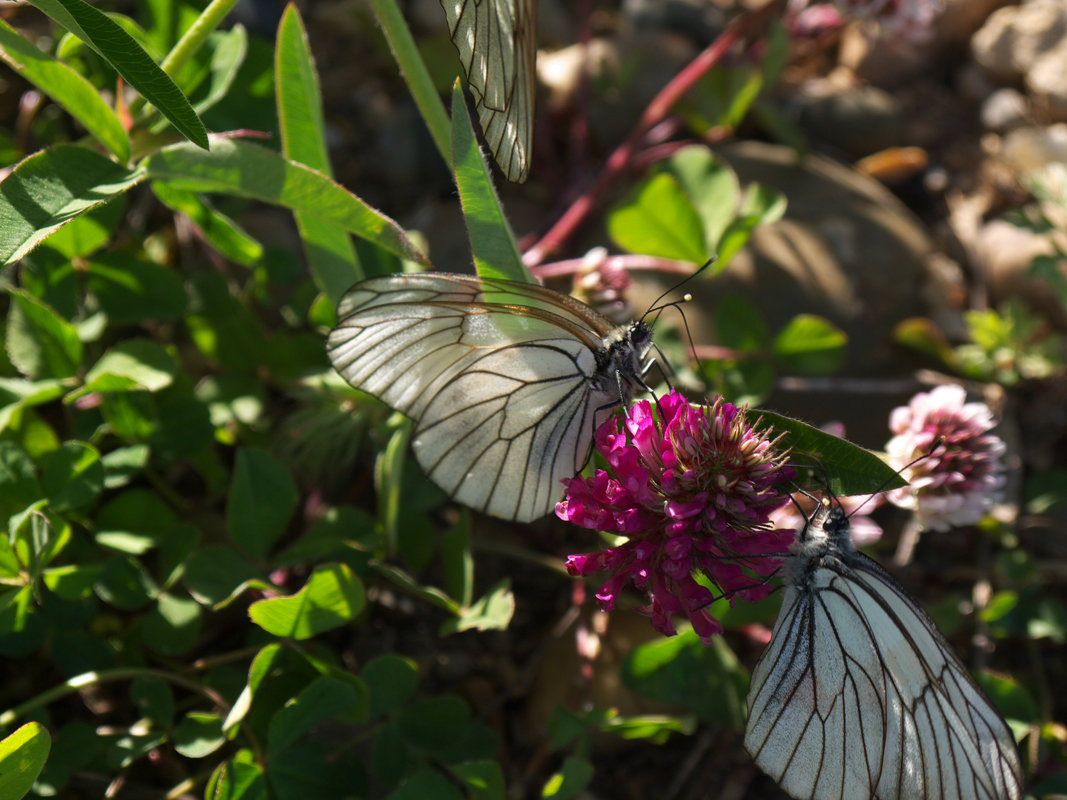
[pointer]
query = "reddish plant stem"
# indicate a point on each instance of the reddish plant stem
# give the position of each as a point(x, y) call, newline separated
point(572, 266)
point(580, 122)
point(714, 352)
point(654, 113)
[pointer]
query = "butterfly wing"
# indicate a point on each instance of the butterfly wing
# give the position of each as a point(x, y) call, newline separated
point(858, 695)
point(501, 378)
point(496, 40)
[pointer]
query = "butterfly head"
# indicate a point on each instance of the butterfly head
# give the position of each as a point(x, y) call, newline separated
point(639, 335)
point(826, 530)
point(626, 349)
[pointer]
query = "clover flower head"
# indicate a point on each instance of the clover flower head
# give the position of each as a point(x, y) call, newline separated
point(603, 284)
point(961, 478)
point(693, 489)
point(905, 21)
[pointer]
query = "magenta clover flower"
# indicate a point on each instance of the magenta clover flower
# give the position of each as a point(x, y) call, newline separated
point(692, 488)
point(963, 475)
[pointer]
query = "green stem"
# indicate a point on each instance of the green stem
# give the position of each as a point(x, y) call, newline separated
point(190, 42)
point(104, 676)
point(415, 73)
point(207, 22)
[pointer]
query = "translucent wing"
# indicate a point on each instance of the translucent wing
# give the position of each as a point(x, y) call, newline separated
point(496, 40)
point(506, 381)
point(858, 695)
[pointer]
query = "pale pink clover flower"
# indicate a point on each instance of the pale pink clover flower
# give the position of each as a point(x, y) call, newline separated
point(962, 477)
point(904, 21)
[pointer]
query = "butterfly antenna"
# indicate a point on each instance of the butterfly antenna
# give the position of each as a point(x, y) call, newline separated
point(677, 304)
point(815, 465)
point(657, 307)
point(688, 298)
point(665, 368)
point(799, 507)
point(940, 440)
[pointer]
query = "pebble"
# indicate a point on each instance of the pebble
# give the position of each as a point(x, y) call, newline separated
point(895, 165)
point(1004, 110)
point(847, 250)
point(1006, 252)
point(860, 120)
point(1030, 148)
point(1047, 81)
point(1015, 37)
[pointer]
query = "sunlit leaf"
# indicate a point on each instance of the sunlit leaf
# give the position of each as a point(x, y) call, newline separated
point(333, 596)
point(129, 59)
point(22, 755)
point(496, 255)
point(50, 188)
point(659, 219)
point(847, 467)
point(247, 170)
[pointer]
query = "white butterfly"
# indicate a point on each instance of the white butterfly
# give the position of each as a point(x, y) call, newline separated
point(858, 695)
point(496, 40)
point(507, 382)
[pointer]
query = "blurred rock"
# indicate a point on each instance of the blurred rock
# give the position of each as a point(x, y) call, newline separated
point(1005, 252)
point(884, 63)
point(560, 72)
point(959, 19)
point(973, 82)
point(847, 249)
point(859, 120)
point(560, 682)
point(1047, 81)
point(937, 117)
point(697, 19)
point(908, 46)
point(1013, 38)
point(635, 66)
point(1028, 149)
point(1004, 110)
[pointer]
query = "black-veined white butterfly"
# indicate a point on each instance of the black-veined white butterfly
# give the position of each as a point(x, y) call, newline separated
point(858, 695)
point(507, 382)
point(496, 40)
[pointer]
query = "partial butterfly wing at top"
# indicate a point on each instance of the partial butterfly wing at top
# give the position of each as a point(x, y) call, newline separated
point(496, 40)
point(506, 381)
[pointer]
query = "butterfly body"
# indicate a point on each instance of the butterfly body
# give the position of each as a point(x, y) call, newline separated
point(858, 695)
point(507, 382)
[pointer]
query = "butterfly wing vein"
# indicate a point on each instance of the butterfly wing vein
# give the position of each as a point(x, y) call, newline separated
point(858, 695)
point(497, 48)
point(501, 379)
